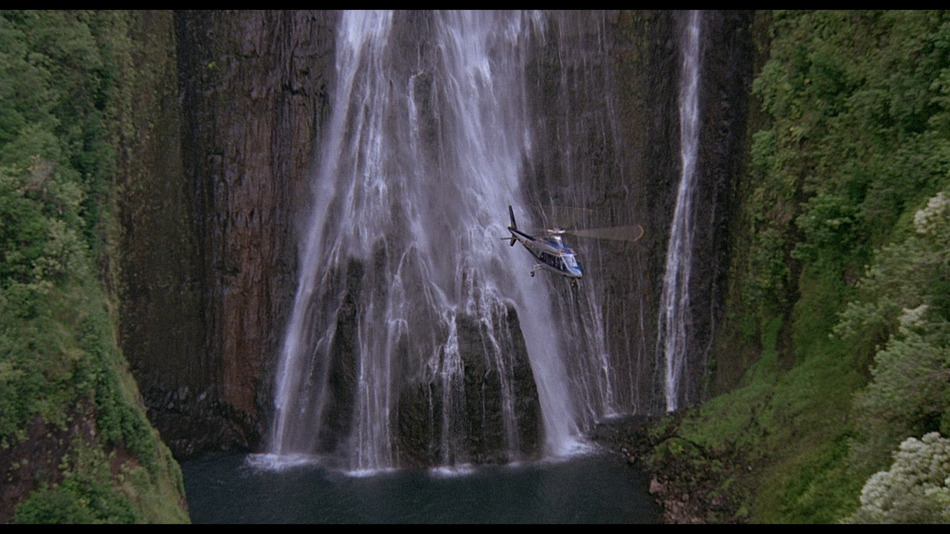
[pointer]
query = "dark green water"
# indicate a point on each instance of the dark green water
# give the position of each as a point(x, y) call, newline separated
point(595, 488)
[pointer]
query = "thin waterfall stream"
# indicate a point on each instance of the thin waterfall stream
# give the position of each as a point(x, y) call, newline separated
point(673, 327)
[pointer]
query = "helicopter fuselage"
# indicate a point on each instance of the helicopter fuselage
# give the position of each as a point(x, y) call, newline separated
point(550, 252)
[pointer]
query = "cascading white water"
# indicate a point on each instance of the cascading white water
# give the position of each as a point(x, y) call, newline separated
point(673, 325)
point(577, 120)
point(423, 154)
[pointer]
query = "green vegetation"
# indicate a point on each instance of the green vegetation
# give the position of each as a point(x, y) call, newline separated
point(72, 425)
point(844, 280)
point(914, 490)
point(841, 284)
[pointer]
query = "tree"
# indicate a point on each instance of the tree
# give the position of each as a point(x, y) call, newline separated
point(916, 489)
point(907, 286)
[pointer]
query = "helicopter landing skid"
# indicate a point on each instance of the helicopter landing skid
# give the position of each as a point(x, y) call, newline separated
point(537, 266)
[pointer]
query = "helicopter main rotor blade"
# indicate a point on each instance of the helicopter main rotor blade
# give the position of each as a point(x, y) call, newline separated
point(617, 233)
point(564, 216)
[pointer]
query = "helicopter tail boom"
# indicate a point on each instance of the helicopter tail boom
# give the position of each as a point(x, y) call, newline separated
point(513, 226)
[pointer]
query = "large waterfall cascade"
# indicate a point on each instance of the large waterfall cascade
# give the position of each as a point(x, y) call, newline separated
point(422, 156)
point(672, 330)
point(405, 272)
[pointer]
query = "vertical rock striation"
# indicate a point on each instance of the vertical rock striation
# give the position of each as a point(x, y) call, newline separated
point(728, 55)
point(220, 174)
point(208, 217)
point(608, 140)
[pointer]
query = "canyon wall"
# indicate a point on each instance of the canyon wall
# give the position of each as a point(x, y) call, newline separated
point(210, 211)
point(608, 139)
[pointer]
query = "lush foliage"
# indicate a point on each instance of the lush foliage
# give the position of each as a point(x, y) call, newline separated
point(916, 489)
point(909, 283)
point(845, 261)
point(858, 142)
point(84, 496)
point(60, 109)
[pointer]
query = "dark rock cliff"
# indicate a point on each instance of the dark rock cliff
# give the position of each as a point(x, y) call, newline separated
point(211, 235)
point(608, 130)
point(728, 55)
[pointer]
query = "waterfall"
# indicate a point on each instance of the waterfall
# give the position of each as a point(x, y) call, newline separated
point(674, 319)
point(410, 311)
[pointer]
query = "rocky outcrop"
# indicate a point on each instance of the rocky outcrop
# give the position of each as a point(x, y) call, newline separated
point(696, 484)
point(474, 426)
point(40, 455)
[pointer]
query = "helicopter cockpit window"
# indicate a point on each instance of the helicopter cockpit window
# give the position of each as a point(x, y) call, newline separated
point(570, 261)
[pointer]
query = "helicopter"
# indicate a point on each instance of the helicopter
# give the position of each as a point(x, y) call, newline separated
point(555, 256)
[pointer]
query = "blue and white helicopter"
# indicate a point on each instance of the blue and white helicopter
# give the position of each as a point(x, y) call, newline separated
point(553, 255)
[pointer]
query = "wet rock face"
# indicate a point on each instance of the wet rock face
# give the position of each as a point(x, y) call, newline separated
point(473, 401)
point(456, 420)
point(608, 141)
point(728, 60)
point(607, 124)
point(254, 90)
point(209, 230)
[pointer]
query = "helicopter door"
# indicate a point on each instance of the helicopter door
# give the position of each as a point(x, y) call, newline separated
point(551, 260)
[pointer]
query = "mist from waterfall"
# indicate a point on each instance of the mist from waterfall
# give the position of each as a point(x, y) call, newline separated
point(674, 319)
point(422, 155)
